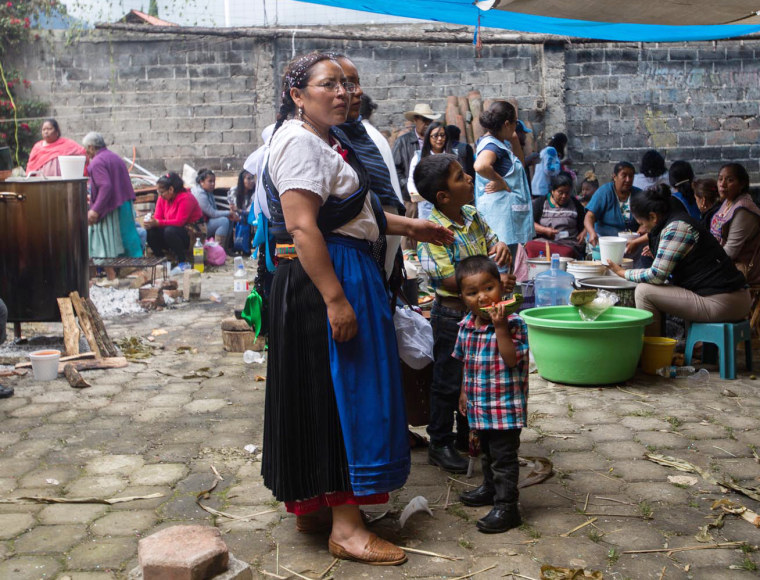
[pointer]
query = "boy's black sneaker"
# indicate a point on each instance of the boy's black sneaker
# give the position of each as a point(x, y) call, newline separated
point(500, 519)
point(477, 497)
point(446, 457)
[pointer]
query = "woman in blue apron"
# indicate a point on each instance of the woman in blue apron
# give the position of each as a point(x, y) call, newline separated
point(502, 193)
point(335, 432)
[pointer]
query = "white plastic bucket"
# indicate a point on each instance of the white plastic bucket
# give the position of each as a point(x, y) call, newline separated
point(45, 364)
point(72, 166)
point(586, 269)
point(611, 248)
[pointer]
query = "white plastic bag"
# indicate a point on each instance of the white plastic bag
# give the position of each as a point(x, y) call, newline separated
point(415, 338)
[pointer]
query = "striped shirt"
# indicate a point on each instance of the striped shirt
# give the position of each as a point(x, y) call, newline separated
point(497, 396)
point(473, 238)
point(677, 239)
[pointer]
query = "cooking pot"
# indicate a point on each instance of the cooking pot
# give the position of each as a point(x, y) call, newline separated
point(43, 245)
point(624, 289)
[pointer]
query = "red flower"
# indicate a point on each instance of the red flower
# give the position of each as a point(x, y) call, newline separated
point(26, 22)
point(24, 126)
point(9, 5)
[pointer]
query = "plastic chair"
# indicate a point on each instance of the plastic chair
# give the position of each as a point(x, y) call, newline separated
point(725, 335)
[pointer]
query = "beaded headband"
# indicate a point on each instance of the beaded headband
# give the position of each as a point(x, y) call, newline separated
point(296, 75)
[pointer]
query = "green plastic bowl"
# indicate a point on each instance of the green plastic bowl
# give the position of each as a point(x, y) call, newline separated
point(572, 351)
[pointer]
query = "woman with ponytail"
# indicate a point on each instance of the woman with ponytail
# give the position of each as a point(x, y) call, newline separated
point(335, 432)
point(705, 286)
point(681, 177)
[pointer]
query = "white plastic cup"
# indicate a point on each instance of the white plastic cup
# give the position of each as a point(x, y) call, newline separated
point(45, 364)
point(612, 248)
point(72, 166)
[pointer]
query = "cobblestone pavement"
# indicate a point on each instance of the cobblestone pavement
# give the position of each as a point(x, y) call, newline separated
point(147, 429)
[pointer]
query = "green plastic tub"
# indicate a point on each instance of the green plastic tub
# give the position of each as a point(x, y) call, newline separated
point(572, 351)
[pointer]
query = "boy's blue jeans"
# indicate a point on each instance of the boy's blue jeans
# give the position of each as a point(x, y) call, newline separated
point(501, 466)
point(447, 374)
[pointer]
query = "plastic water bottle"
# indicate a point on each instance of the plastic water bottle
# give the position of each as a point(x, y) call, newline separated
point(240, 285)
point(198, 256)
point(686, 372)
point(553, 287)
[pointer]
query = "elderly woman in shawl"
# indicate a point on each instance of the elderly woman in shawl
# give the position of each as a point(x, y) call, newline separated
point(43, 159)
point(112, 231)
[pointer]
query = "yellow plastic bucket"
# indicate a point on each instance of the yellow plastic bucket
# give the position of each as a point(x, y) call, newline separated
point(657, 353)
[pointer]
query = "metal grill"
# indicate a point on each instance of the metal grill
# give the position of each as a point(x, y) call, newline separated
point(151, 263)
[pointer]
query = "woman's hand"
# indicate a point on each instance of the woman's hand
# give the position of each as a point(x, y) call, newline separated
point(647, 252)
point(593, 239)
point(500, 254)
point(151, 223)
point(616, 268)
point(497, 184)
point(581, 237)
point(92, 217)
point(342, 319)
point(427, 231)
point(632, 245)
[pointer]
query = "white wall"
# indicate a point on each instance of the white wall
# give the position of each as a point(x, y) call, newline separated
point(241, 12)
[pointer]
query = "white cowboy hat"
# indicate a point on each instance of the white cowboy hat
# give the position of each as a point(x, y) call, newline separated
point(422, 110)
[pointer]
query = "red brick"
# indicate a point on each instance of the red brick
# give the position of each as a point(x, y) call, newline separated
point(183, 553)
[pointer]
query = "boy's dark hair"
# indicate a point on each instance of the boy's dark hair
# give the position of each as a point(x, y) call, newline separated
point(431, 175)
point(475, 265)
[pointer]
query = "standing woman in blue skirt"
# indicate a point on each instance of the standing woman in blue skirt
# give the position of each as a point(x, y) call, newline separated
point(335, 431)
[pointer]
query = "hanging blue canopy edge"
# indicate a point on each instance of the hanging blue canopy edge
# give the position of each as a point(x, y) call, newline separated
point(464, 12)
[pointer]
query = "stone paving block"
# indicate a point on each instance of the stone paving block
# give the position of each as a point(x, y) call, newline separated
point(580, 461)
point(7, 439)
point(614, 432)
point(94, 403)
point(50, 539)
point(122, 465)
point(34, 410)
point(663, 440)
point(556, 444)
point(34, 448)
point(595, 483)
point(557, 425)
point(183, 553)
point(174, 453)
point(594, 417)
point(142, 504)
point(7, 484)
point(158, 474)
point(743, 471)
point(124, 523)
point(102, 553)
point(101, 487)
point(579, 550)
point(183, 508)
point(71, 513)
point(38, 478)
point(13, 524)
point(629, 533)
point(250, 492)
point(700, 431)
point(75, 575)
point(169, 400)
point(158, 414)
point(29, 567)
point(52, 431)
point(620, 450)
point(640, 470)
point(644, 423)
point(121, 408)
point(55, 397)
point(205, 406)
point(653, 492)
point(73, 454)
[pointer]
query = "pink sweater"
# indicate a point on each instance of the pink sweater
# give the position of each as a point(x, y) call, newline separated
point(180, 211)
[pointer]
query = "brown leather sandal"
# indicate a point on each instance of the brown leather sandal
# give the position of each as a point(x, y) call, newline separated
point(314, 524)
point(377, 552)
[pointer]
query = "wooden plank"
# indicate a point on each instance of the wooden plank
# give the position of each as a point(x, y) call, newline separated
point(75, 379)
point(114, 362)
point(71, 331)
point(63, 359)
point(85, 323)
point(100, 328)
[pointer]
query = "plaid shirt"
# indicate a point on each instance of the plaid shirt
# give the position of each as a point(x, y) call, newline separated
point(676, 240)
point(474, 238)
point(497, 396)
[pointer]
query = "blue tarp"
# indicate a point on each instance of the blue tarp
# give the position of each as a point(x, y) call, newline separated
point(464, 12)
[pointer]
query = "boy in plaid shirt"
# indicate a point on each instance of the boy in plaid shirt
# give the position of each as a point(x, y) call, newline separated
point(493, 347)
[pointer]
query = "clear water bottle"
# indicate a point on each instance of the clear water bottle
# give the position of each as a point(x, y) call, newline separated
point(240, 284)
point(553, 287)
point(686, 372)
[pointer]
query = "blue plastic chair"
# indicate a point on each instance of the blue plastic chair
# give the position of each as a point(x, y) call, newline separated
point(725, 336)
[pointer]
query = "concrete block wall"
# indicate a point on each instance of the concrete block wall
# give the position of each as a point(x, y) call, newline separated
point(205, 99)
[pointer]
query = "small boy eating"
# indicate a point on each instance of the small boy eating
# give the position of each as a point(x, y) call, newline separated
point(493, 346)
point(441, 180)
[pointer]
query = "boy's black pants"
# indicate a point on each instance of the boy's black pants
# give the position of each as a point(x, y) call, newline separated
point(501, 467)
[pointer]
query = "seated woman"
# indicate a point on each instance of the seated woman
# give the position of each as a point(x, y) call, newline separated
point(43, 159)
point(240, 197)
point(681, 177)
point(736, 225)
point(704, 285)
point(217, 220)
point(176, 208)
point(653, 170)
point(707, 198)
point(609, 210)
point(558, 219)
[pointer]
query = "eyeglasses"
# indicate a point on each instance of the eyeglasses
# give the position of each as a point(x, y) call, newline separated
point(438, 136)
point(332, 87)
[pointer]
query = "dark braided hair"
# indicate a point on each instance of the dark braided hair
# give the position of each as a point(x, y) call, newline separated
point(296, 76)
point(172, 180)
point(681, 176)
